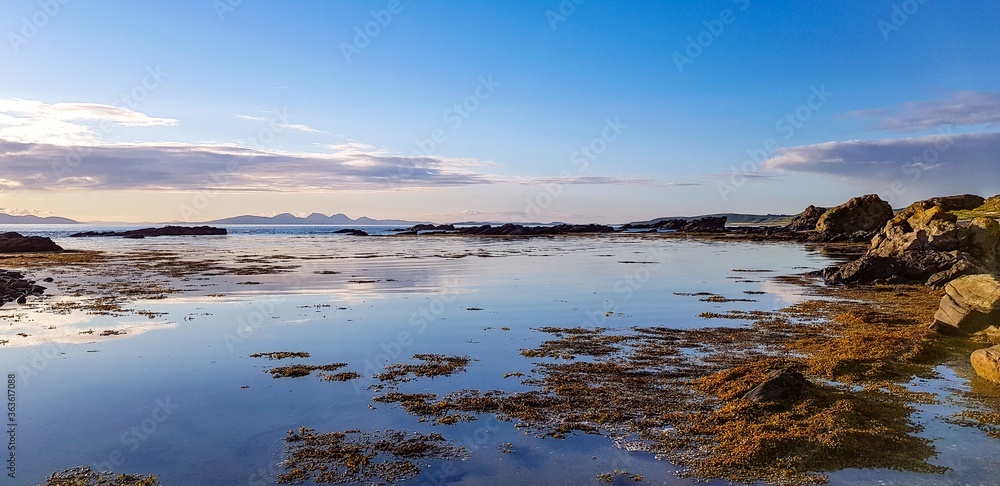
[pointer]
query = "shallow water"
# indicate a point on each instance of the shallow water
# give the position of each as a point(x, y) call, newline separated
point(178, 395)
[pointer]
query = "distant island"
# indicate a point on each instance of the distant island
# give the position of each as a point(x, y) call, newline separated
point(314, 219)
point(32, 219)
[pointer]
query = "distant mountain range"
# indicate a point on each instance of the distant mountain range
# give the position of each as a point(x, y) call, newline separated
point(314, 219)
point(31, 219)
point(737, 219)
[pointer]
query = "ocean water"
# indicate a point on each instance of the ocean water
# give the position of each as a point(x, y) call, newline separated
point(178, 395)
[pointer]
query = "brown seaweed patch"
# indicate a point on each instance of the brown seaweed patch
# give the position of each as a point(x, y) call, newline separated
point(722, 298)
point(84, 476)
point(353, 456)
point(299, 370)
point(342, 376)
point(432, 365)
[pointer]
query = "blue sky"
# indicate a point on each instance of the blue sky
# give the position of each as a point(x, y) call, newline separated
point(195, 110)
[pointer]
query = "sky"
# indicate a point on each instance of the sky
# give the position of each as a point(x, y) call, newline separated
point(571, 110)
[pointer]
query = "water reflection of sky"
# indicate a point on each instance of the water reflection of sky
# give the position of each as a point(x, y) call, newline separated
point(84, 399)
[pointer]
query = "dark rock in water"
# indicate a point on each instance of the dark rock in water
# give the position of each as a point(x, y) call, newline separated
point(48, 279)
point(806, 220)
point(349, 231)
point(865, 213)
point(926, 243)
point(151, 232)
point(16, 243)
point(780, 385)
point(431, 227)
point(707, 223)
point(22, 300)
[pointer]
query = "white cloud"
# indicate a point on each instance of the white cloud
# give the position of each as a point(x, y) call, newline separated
point(300, 128)
point(32, 121)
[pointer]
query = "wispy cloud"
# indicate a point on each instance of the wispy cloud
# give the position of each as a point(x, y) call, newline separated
point(963, 108)
point(300, 128)
point(66, 123)
point(252, 118)
point(935, 164)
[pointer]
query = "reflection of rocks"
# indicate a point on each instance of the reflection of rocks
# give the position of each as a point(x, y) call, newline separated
point(16, 243)
point(986, 362)
point(15, 288)
point(151, 232)
point(926, 243)
point(780, 385)
point(970, 304)
point(806, 220)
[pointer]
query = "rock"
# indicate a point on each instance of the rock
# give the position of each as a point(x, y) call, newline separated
point(22, 300)
point(151, 232)
point(970, 304)
point(780, 385)
point(431, 227)
point(926, 243)
point(806, 220)
point(986, 362)
point(958, 203)
point(708, 223)
point(16, 243)
point(48, 279)
point(352, 232)
point(990, 334)
point(866, 213)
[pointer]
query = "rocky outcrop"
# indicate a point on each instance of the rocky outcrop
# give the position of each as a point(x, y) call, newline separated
point(703, 224)
point(860, 214)
point(970, 304)
point(16, 243)
point(806, 220)
point(986, 362)
point(958, 203)
point(151, 232)
point(926, 243)
point(431, 227)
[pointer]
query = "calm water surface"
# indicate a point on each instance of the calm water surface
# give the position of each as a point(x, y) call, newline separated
point(178, 395)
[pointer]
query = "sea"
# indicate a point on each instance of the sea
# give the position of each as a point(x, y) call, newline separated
point(178, 395)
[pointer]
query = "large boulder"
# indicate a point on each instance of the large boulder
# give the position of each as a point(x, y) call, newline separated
point(986, 362)
point(16, 243)
point(865, 213)
point(970, 304)
point(806, 220)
